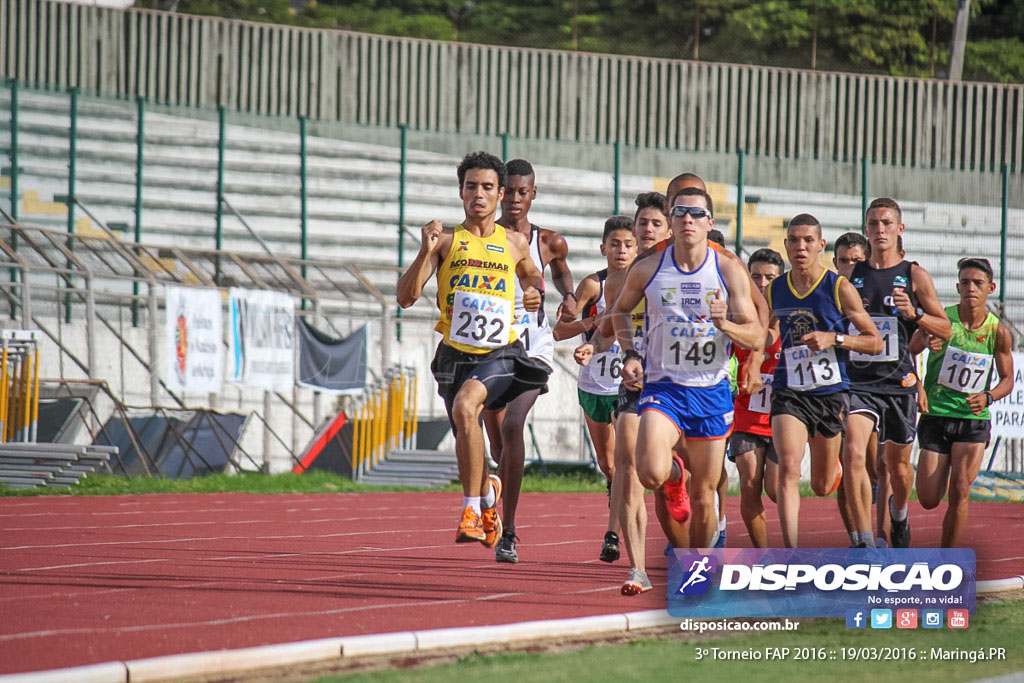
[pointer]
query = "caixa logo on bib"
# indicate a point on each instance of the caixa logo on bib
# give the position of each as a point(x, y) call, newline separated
point(750, 582)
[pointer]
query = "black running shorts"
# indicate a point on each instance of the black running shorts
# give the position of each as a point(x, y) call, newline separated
point(744, 442)
point(627, 400)
point(938, 434)
point(823, 414)
point(895, 415)
point(507, 372)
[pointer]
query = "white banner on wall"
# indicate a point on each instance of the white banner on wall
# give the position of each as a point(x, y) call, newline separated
point(193, 338)
point(261, 338)
point(1008, 412)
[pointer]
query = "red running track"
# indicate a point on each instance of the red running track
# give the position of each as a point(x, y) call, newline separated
point(94, 579)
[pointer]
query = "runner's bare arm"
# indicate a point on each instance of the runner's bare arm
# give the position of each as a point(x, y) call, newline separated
point(434, 241)
point(934, 320)
point(631, 293)
point(531, 281)
point(1004, 368)
point(744, 328)
point(629, 296)
point(755, 294)
point(748, 379)
point(869, 341)
point(586, 294)
point(583, 353)
point(917, 342)
point(557, 253)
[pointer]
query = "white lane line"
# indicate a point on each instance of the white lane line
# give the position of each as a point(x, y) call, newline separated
point(201, 584)
point(333, 553)
point(277, 615)
point(157, 525)
point(193, 539)
point(341, 509)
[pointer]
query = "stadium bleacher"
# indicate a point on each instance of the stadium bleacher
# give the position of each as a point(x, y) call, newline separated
point(353, 205)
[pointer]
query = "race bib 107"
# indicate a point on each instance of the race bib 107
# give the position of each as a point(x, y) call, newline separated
point(965, 371)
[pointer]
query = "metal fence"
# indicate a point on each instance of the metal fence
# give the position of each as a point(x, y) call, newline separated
point(429, 85)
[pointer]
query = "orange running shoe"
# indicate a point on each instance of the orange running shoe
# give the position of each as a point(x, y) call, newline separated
point(838, 481)
point(470, 528)
point(489, 518)
point(676, 498)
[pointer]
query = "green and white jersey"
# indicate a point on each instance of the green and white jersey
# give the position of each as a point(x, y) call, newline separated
point(965, 366)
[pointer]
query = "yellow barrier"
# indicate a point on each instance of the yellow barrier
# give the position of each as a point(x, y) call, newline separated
point(19, 385)
point(384, 419)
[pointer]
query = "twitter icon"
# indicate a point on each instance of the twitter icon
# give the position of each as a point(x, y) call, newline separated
point(881, 618)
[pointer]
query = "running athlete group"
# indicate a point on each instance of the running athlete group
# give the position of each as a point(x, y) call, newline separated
point(691, 356)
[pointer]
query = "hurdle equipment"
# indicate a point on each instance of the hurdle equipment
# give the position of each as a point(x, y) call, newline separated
point(19, 385)
point(384, 419)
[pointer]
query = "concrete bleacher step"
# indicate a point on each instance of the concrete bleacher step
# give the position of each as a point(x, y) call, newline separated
point(392, 480)
point(399, 470)
point(20, 482)
point(420, 455)
point(414, 467)
point(27, 472)
point(51, 464)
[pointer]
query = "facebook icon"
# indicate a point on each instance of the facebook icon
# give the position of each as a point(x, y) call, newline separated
point(856, 618)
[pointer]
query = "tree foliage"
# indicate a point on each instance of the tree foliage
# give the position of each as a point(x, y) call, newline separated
point(876, 36)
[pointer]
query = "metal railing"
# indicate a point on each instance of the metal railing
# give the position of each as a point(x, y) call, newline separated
point(56, 269)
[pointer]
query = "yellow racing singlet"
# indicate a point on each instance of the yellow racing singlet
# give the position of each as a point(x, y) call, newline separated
point(476, 292)
point(638, 320)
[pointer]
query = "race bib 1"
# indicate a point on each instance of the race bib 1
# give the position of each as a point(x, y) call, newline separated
point(480, 320)
point(761, 400)
point(887, 327)
point(806, 369)
point(965, 371)
point(526, 325)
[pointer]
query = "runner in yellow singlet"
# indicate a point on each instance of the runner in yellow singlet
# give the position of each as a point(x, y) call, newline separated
point(479, 362)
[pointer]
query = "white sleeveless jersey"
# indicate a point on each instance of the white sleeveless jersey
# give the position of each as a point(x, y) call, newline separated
point(603, 374)
point(683, 345)
point(532, 327)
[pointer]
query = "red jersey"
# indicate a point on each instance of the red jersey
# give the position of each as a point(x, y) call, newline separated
point(752, 410)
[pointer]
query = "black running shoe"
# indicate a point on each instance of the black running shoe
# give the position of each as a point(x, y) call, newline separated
point(610, 549)
point(505, 551)
point(900, 534)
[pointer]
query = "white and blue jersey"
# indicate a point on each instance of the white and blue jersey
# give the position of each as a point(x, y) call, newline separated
point(819, 309)
point(683, 345)
point(687, 357)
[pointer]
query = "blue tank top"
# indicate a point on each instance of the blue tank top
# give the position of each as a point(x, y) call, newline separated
point(800, 369)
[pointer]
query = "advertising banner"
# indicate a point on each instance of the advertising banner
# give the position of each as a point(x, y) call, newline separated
point(1008, 412)
point(262, 339)
point(193, 338)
